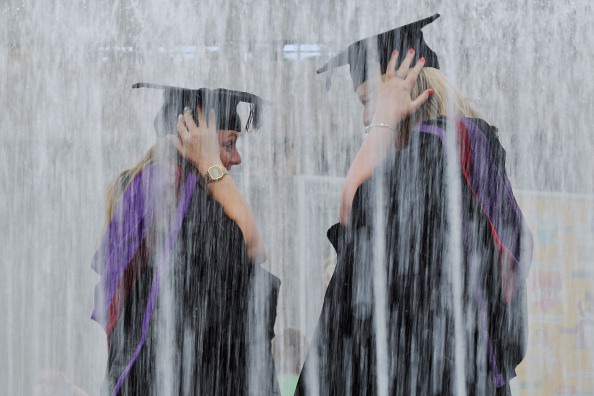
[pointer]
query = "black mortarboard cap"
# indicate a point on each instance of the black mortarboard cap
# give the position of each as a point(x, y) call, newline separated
point(380, 48)
point(223, 101)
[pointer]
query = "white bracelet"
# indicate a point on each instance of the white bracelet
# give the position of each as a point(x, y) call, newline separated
point(367, 128)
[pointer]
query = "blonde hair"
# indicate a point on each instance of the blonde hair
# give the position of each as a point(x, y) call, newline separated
point(162, 151)
point(437, 105)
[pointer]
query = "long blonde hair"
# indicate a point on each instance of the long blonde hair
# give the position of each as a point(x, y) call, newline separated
point(160, 152)
point(437, 105)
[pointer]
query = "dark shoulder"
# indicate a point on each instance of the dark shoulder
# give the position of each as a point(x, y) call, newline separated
point(491, 133)
point(421, 151)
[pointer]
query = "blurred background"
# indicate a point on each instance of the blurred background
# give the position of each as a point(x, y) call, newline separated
point(70, 122)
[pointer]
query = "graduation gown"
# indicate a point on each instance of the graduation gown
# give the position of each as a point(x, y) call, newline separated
point(387, 325)
point(184, 310)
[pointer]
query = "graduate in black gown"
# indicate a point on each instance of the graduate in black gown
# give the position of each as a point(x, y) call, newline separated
point(428, 296)
point(185, 304)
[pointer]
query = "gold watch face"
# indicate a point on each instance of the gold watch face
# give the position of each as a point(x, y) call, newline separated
point(216, 172)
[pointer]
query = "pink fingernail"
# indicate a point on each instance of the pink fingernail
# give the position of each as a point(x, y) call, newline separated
point(394, 52)
point(422, 59)
point(411, 51)
point(430, 92)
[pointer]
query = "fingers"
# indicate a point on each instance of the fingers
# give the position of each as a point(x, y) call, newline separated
point(181, 126)
point(189, 119)
point(405, 65)
point(421, 99)
point(405, 70)
point(413, 73)
point(390, 71)
point(202, 120)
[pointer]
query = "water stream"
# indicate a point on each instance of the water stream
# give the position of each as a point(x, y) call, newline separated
point(70, 122)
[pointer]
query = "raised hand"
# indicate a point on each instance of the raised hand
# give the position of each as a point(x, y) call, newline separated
point(393, 91)
point(198, 144)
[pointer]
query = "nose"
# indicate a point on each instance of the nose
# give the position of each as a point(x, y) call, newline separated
point(236, 158)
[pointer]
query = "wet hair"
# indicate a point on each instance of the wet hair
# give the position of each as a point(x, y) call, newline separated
point(437, 105)
point(161, 151)
point(123, 180)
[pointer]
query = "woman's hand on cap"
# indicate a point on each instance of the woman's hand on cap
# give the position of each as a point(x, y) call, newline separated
point(394, 102)
point(197, 143)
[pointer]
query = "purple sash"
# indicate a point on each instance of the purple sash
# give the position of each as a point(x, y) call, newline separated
point(132, 219)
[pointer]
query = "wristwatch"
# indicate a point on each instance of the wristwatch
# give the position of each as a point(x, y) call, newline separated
point(214, 173)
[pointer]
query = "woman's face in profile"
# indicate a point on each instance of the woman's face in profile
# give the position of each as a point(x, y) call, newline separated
point(228, 148)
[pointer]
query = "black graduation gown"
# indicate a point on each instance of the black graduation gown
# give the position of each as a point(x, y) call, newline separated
point(398, 245)
point(218, 317)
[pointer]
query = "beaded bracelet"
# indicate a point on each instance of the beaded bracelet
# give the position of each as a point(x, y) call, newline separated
point(367, 128)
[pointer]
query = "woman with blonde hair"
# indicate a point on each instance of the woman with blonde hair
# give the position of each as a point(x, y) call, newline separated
point(427, 297)
point(186, 307)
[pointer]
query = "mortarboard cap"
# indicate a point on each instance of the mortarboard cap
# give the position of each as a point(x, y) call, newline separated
point(380, 48)
point(223, 101)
